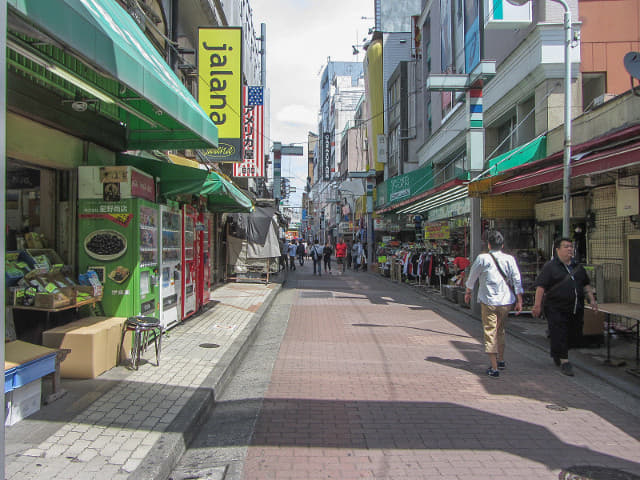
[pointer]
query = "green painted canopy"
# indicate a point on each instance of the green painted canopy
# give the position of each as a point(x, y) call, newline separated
point(174, 179)
point(224, 196)
point(529, 152)
point(98, 42)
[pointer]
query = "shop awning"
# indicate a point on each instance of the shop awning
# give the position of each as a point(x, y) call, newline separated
point(589, 164)
point(416, 203)
point(118, 66)
point(224, 196)
point(436, 199)
point(529, 152)
point(174, 179)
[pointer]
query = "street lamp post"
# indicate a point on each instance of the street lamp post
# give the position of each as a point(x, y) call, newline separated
point(566, 171)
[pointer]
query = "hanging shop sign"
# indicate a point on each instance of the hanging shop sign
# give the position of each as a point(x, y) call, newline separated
point(436, 231)
point(252, 134)
point(453, 209)
point(220, 88)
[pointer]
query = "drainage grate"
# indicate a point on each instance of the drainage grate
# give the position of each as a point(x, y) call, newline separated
point(592, 472)
point(209, 345)
point(557, 408)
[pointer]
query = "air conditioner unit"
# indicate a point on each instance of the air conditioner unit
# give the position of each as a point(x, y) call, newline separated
point(600, 99)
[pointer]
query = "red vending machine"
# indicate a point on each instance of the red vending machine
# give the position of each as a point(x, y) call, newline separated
point(205, 234)
point(189, 261)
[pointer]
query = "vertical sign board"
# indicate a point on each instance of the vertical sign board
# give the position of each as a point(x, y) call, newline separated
point(326, 156)
point(277, 170)
point(252, 164)
point(220, 88)
point(471, 34)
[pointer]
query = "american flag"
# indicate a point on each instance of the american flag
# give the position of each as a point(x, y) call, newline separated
point(252, 164)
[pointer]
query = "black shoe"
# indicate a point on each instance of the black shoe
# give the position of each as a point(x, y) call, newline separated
point(493, 373)
point(567, 369)
point(502, 365)
point(556, 360)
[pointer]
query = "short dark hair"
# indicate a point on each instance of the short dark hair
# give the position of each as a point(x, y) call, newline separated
point(559, 241)
point(495, 239)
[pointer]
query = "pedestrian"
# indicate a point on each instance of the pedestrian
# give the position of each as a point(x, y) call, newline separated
point(341, 253)
point(499, 288)
point(316, 256)
point(293, 248)
point(560, 295)
point(327, 251)
point(349, 256)
point(356, 255)
point(300, 252)
point(284, 253)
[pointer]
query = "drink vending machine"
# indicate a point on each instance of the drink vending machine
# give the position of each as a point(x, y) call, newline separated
point(118, 237)
point(205, 235)
point(189, 261)
point(170, 268)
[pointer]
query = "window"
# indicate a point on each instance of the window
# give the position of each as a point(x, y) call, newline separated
point(594, 85)
point(394, 102)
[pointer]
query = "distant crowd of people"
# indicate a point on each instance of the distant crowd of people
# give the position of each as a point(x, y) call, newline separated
point(347, 255)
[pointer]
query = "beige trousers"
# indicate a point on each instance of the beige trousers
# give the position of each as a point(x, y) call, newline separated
point(493, 320)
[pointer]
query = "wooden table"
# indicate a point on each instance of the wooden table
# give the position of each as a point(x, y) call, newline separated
point(625, 310)
point(49, 311)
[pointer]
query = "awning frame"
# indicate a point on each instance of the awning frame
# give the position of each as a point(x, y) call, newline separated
point(96, 50)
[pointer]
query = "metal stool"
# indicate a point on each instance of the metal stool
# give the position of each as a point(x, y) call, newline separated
point(142, 328)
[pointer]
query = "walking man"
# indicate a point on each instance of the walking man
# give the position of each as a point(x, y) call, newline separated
point(341, 253)
point(316, 256)
point(293, 248)
point(561, 287)
point(500, 288)
point(356, 255)
point(327, 251)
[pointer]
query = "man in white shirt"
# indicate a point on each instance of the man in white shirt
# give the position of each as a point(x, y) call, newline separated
point(500, 288)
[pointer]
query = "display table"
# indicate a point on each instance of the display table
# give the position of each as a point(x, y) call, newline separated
point(628, 311)
point(49, 311)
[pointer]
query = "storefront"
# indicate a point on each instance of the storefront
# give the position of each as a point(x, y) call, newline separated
point(76, 97)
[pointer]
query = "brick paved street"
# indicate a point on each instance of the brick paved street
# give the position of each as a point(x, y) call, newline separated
point(374, 381)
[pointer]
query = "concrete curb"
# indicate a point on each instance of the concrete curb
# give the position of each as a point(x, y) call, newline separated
point(167, 451)
point(577, 359)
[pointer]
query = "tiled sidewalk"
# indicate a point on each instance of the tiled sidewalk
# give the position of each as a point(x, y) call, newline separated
point(375, 381)
point(136, 425)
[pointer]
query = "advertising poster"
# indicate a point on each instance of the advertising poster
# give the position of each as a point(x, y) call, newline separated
point(436, 231)
point(220, 88)
point(252, 164)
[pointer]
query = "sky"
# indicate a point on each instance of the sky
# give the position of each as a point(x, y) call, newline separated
point(301, 34)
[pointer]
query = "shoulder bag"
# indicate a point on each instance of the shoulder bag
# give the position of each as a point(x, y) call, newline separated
point(503, 275)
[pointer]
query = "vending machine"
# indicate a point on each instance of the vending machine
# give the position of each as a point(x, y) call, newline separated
point(118, 237)
point(189, 261)
point(170, 269)
point(205, 234)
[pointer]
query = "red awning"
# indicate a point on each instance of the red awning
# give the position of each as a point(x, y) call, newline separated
point(597, 162)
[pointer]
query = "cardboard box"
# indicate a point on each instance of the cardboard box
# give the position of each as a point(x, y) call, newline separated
point(62, 298)
point(593, 322)
point(22, 402)
point(94, 343)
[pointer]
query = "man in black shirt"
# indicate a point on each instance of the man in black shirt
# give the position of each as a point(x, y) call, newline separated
point(562, 286)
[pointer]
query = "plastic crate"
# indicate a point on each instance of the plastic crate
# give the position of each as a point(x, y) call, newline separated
point(8, 379)
point(35, 369)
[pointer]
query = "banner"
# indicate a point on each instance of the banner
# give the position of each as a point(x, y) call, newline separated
point(252, 134)
point(220, 88)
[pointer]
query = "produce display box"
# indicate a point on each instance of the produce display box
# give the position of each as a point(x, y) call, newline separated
point(27, 362)
point(22, 402)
